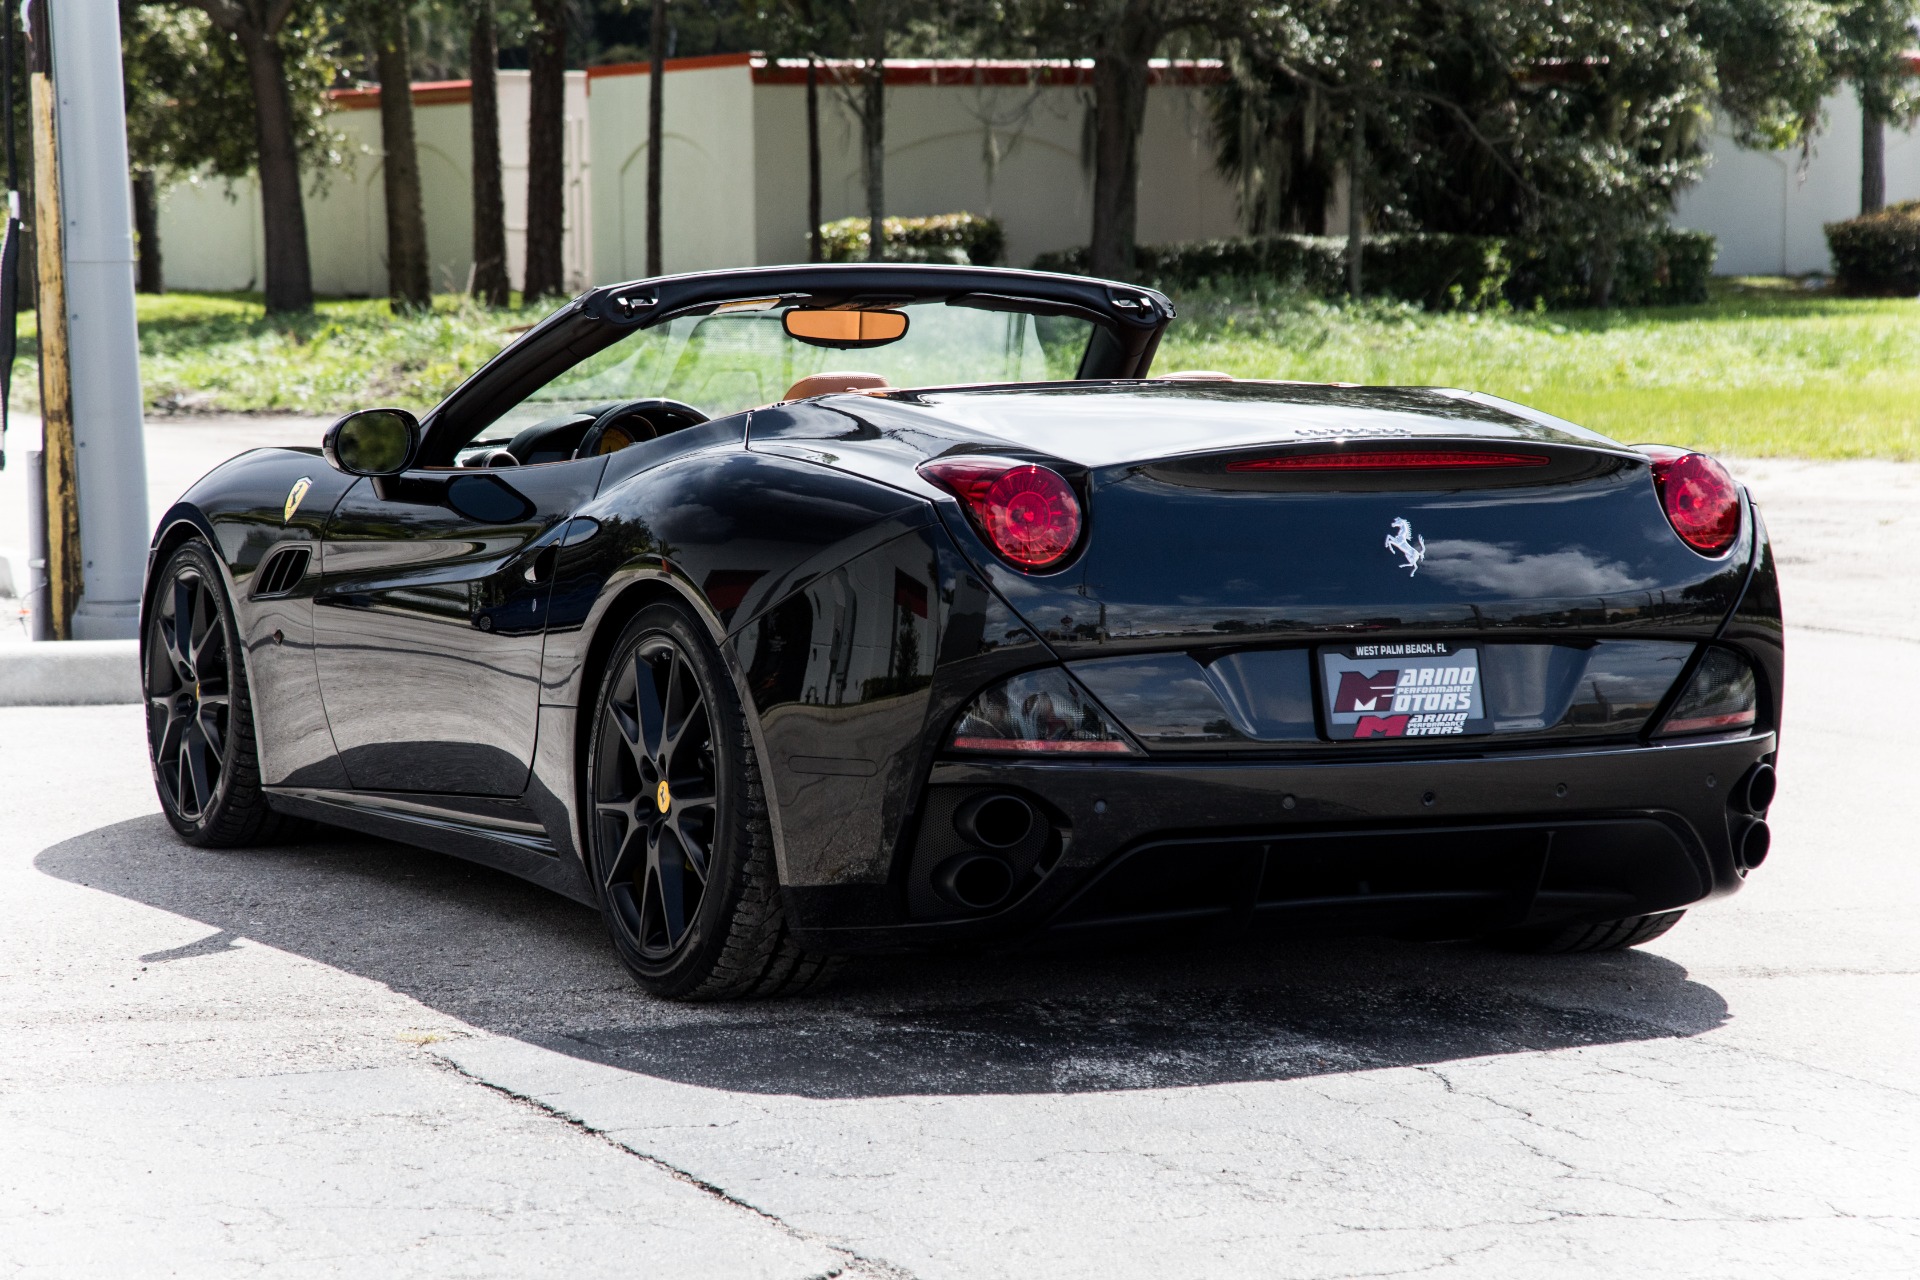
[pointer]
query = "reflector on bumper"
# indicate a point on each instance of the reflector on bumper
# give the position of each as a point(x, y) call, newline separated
point(1039, 712)
point(1721, 697)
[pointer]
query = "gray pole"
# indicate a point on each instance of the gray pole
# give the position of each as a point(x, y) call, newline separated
point(102, 336)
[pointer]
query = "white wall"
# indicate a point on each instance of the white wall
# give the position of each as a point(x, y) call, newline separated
point(1769, 208)
point(1011, 151)
point(735, 189)
point(707, 171)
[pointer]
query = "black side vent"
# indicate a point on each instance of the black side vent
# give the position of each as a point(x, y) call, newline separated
point(282, 572)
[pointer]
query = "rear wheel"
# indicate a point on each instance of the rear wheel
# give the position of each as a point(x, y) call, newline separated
point(199, 714)
point(1608, 935)
point(678, 836)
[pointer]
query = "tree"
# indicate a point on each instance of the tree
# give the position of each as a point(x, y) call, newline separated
point(1581, 120)
point(190, 110)
point(546, 150)
point(383, 27)
point(490, 284)
point(656, 139)
point(1122, 37)
point(1868, 48)
point(259, 26)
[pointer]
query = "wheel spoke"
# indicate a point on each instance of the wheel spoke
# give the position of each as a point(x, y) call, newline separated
point(647, 700)
point(673, 899)
point(696, 853)
point(696, 793)
point(210, 651)
point(182, 620)
point(166, 742)
point(210, 729)
point(195, 774)
point(630, 851)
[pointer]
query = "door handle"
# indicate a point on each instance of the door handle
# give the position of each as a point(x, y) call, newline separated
point(541, 570)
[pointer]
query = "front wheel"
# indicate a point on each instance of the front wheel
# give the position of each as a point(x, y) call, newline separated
point(199, 714)
point(678, 838)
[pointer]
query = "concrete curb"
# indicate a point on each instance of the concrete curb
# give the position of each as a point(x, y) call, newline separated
point(69, 673)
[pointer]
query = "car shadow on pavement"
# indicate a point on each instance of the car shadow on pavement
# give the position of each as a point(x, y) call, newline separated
point(510, 958)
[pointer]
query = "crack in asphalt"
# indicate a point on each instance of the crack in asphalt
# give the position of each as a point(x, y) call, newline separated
point(860, 1266)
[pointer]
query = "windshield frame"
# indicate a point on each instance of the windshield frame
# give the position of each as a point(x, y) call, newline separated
point(1127, 321)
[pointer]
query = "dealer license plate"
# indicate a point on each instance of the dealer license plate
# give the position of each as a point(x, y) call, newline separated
point(1403, 689)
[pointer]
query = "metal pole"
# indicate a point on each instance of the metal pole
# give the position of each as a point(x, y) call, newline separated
point(35, 594)
point(103, 339)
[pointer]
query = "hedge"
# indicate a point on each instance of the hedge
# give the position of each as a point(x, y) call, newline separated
point(962, 238)
point(1438, 271)
point(1878, 252)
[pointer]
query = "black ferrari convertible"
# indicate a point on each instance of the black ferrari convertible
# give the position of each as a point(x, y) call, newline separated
point(792, 612)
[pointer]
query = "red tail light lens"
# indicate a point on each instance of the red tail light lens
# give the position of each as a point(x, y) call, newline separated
point(1028, 513)
point(1391, 460)
point(1701, 500)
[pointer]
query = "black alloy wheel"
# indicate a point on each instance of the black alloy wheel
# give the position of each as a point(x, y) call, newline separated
point(679, 844)
point(656, 793)
point(199, 718)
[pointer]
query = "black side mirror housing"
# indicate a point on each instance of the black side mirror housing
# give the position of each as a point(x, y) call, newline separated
point(373, 442)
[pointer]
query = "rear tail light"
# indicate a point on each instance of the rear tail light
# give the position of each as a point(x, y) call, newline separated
point(1039, 712)
point(1721, 697)
point(1028, 513)
point(1701, 500)
point(1390, 460)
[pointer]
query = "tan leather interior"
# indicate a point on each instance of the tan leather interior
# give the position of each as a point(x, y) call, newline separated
point(826, 384)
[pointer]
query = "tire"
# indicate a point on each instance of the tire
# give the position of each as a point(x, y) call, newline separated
point(1608, 935)
point(200, 729)
point(678, 842)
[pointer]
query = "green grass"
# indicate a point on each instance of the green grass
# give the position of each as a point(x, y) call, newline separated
point(1765, 368)
point(214, 351)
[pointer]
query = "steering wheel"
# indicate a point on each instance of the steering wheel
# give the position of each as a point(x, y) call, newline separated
point(634, 421)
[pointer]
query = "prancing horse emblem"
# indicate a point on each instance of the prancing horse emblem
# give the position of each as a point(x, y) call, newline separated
point(1407, 543)
point(294, 495)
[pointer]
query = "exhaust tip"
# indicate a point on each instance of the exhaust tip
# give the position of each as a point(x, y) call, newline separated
point(1758, 790)
point(1755, 843)
point(978, 882)
point(995, 821)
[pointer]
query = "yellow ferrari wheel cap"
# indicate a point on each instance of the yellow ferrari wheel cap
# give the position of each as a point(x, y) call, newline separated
point(663, 797)
point(294, 495)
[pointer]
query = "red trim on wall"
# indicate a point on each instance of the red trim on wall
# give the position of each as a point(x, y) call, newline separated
point(963, 72)
point(706, 62)
point(429, 93)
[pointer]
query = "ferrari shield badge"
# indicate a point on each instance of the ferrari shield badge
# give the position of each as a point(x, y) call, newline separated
point(294, 497)
point(1403, 541)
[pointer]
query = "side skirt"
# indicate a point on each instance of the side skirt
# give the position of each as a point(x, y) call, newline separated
point(502, 834)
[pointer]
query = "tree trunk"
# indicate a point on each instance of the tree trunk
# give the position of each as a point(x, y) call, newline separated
point(816, 249)
point(289, 283)
point(546, 150)
point(1356, 201)
point(656, 107)
point(1873, 161)
point(490, 284)
point(1120, 72)
point(873, 134)
point(409, 286)
point(146, 232)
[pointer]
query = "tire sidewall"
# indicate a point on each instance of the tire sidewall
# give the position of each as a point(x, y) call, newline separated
point(694, 959)
point(196, 554)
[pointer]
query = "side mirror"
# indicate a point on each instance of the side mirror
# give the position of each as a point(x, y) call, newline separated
point(373, 442)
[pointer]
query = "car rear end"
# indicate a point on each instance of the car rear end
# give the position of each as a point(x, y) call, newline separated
point(1446, 668)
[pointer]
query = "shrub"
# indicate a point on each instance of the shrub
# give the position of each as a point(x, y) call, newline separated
point(1439, 271)
point(1663, 267)
point(962, 238)
point(1878, 252)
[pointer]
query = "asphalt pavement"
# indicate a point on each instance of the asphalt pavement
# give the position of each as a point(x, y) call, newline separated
point(343, 1057)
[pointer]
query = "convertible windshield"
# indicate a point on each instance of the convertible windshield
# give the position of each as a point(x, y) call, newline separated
point(739, 358)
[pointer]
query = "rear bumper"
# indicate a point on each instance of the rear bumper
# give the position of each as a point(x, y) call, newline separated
point(1441, 844)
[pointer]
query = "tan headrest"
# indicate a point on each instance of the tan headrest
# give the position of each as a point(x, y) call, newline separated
point(826, 384)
